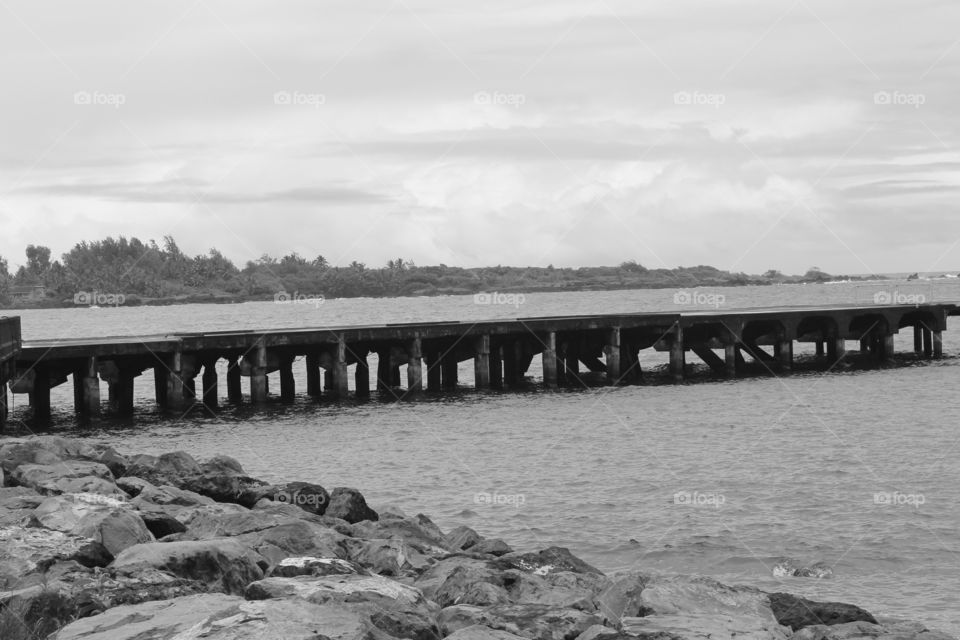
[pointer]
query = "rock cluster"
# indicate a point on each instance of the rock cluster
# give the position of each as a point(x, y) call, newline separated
point(95, 545)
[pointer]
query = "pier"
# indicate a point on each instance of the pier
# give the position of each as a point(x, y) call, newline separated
point(9, 349)
point(184, 365)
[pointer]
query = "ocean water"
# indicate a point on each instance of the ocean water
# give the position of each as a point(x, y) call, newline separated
point(857, 468)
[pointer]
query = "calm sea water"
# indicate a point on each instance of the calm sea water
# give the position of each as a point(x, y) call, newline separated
point(776, 467)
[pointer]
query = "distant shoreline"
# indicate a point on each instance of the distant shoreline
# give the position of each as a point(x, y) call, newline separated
point(133, 300)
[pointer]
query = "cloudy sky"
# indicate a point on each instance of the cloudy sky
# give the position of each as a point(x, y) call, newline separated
point(746, 134)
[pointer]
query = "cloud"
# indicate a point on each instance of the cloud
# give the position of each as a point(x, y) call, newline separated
point(501, 132)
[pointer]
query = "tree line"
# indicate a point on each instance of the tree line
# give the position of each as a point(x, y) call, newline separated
point(148, 271)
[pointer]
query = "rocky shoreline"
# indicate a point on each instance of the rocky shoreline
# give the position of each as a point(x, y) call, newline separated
point(96, 545)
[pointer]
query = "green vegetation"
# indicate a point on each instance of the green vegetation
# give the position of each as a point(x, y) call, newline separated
point(145, 272)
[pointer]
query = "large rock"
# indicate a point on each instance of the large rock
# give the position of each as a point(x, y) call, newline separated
point(431, 580)
point(480, 632)
point(223, 479)
point(493, 547)
point(314, 566)
point(623, 597)
point(462, 538)
point(107, 520)
point(170, 468)
point(17, 505)
point(349, 504)
point(538, 622)
point(220, 617)
point(223, 565)
point(797, 613)
point(696, 607)
point(472, 584)
point(169, 498)
point(30, 550)
point(866, 630)
point(334, 588)
point(392, 557)
point(69, 476)
point(550, 560)
point(391, 607)
point(43, 450)
point(560, 589)
point(89, 593)
point(418, 532)
point(299, 538)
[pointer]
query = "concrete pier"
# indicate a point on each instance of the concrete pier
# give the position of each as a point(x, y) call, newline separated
point(574, 350)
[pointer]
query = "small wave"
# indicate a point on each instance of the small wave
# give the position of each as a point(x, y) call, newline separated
point(788, 568)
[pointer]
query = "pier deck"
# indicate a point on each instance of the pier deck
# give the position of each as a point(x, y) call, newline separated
point(501, 350)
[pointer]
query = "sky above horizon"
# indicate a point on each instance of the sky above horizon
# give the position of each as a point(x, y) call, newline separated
point(744, 134)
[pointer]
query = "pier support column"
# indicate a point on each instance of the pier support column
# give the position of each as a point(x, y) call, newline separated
point(234, 388)
point(4, 407)
point(288, 387)
point(384, 376)
point(784, 353)
point(730, 359)
point(340, 383)
point(40, 396)
point(160, 386)
point(496, 367)
point(927, 342)
point(481, 362)
point(258, 375)
point(571, 363)
point(550, 359)
point(120, 392)
point(865, 343)
point(937, 344)
point(630, 371)
point(414, 366)
point(434, 370)
point(313, 374)
point(918, 339)
point(361, 376)
point(612, 351)
point(89, 392)
point(511, 363)
point(836, 349)
point(449, 369)
point(886, 346)
point(176, 388)
point(209, 385)
point(677, 355)
point(819, 348)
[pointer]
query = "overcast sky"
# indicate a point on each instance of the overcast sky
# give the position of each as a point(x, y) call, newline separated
point(744, 134)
